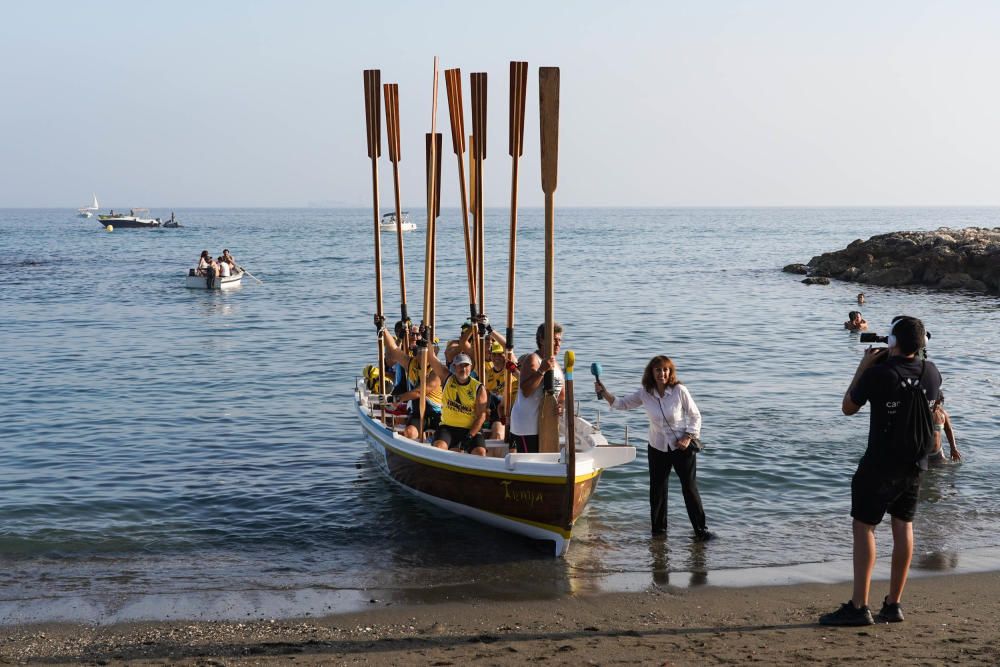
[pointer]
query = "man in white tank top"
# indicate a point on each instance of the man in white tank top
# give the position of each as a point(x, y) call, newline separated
point(524, 413)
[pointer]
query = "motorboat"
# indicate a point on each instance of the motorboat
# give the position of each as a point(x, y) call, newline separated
point(388, 222)
point(137, 218)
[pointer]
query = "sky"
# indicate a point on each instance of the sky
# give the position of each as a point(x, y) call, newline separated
point(260, 103)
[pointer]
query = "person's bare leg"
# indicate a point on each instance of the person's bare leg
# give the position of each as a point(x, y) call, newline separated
point(864, 562)
point(902, 554)
point(441, 444)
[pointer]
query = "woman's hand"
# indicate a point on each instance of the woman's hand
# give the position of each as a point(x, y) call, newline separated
point(955, 456)
point(683, 442)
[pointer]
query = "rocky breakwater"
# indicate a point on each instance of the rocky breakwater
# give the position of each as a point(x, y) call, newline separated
point(945, 258)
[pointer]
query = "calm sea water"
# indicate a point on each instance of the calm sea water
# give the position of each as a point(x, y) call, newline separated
point(161, 444)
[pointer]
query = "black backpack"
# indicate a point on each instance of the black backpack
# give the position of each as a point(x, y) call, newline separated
point(911, 431)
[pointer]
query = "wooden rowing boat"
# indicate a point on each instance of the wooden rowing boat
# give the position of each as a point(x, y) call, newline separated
point(527, 494)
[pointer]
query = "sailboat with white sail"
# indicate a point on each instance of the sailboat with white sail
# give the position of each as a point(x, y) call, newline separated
point(89, 211)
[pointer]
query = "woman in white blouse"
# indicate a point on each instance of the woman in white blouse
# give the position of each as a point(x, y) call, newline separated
point(673, 420)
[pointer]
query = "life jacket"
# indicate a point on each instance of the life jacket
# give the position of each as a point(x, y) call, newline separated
point(458, 407)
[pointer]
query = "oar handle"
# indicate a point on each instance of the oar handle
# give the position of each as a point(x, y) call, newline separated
point(596, 370)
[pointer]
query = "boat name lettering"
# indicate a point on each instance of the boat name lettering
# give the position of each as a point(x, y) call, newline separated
point(523, 496)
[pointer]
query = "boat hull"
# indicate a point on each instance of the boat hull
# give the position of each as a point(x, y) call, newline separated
point(527, 494)
point(201, 282)
point(127, 222)
point(391, 227)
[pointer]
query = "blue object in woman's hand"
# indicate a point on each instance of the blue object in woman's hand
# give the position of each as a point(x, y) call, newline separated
point(595, 369)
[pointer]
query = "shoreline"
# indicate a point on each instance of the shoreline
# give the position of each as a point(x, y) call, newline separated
point(275, 603)
point(948, 618)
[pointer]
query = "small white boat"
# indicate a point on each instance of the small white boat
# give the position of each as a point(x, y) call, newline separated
point(88, 211)
point(388, 222)
point(194, 281)
point(527, 494)
point(134, 220)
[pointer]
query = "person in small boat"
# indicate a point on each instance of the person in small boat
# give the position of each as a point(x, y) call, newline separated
point(229, 258)
point(531, 372)
point(204, 262)
point(463, 407)
point(212, 272)
point(225, 271)
point(855, 322)
point(673, 420)
point(942, 428)
point(394, 354)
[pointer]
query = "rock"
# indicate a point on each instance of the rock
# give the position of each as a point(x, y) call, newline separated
point(946, 258)
point(822, 280)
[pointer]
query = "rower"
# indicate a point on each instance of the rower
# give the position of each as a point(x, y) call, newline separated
point(432, 405)
point(464, 407)
point(500, 360)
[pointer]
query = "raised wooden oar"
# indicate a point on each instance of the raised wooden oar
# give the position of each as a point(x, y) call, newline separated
point(548, 104)
point(518, 85)
point(453, 82)
point(478, 148)
point(569, 360)
point(373, 121)
point(435, 185)
point(427, 343)
point(395, 155)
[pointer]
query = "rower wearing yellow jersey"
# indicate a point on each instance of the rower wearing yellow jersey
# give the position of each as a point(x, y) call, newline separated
point(432, 405)
point(463, 407)
point(496, 372)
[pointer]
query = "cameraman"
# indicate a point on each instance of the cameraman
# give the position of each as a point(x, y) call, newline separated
point(884, 484)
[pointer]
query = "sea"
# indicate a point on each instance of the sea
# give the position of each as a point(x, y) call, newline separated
point(178, 453)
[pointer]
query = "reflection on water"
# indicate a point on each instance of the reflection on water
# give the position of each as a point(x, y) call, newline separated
point(937, 561)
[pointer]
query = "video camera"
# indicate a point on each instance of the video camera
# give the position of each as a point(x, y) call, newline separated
point(875, 338)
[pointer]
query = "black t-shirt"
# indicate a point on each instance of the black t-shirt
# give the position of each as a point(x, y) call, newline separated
point(880, 385)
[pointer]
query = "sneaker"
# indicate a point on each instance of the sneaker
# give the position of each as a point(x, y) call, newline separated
point(890, 613)
point(848, 614)
point(703, 536)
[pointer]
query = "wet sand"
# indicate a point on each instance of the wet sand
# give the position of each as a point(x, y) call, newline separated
point(952, 618)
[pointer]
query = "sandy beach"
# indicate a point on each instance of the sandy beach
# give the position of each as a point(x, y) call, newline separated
point(949, 619)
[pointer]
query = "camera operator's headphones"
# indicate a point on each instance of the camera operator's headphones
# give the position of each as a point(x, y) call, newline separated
point(891, 338)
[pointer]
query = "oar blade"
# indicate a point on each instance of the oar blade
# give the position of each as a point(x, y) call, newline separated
point(453, 85)
point(437, 169)
point(548, 103)
point(373, 111)
point(478, 82)
point(548, 424)
point(518, 92)
point(392, 120)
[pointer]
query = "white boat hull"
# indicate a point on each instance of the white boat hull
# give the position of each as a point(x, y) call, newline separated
point(391, 226)
point(201, 282)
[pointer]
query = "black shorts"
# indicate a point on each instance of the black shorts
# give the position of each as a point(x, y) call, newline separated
point(431, 420)
point(494, 411)
point(456, 437)
point(523, 444)
point(873, 493)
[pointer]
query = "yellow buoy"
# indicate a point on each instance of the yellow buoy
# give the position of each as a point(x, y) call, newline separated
point(109, 228)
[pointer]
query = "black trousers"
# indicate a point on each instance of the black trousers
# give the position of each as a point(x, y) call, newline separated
point(684, 462)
